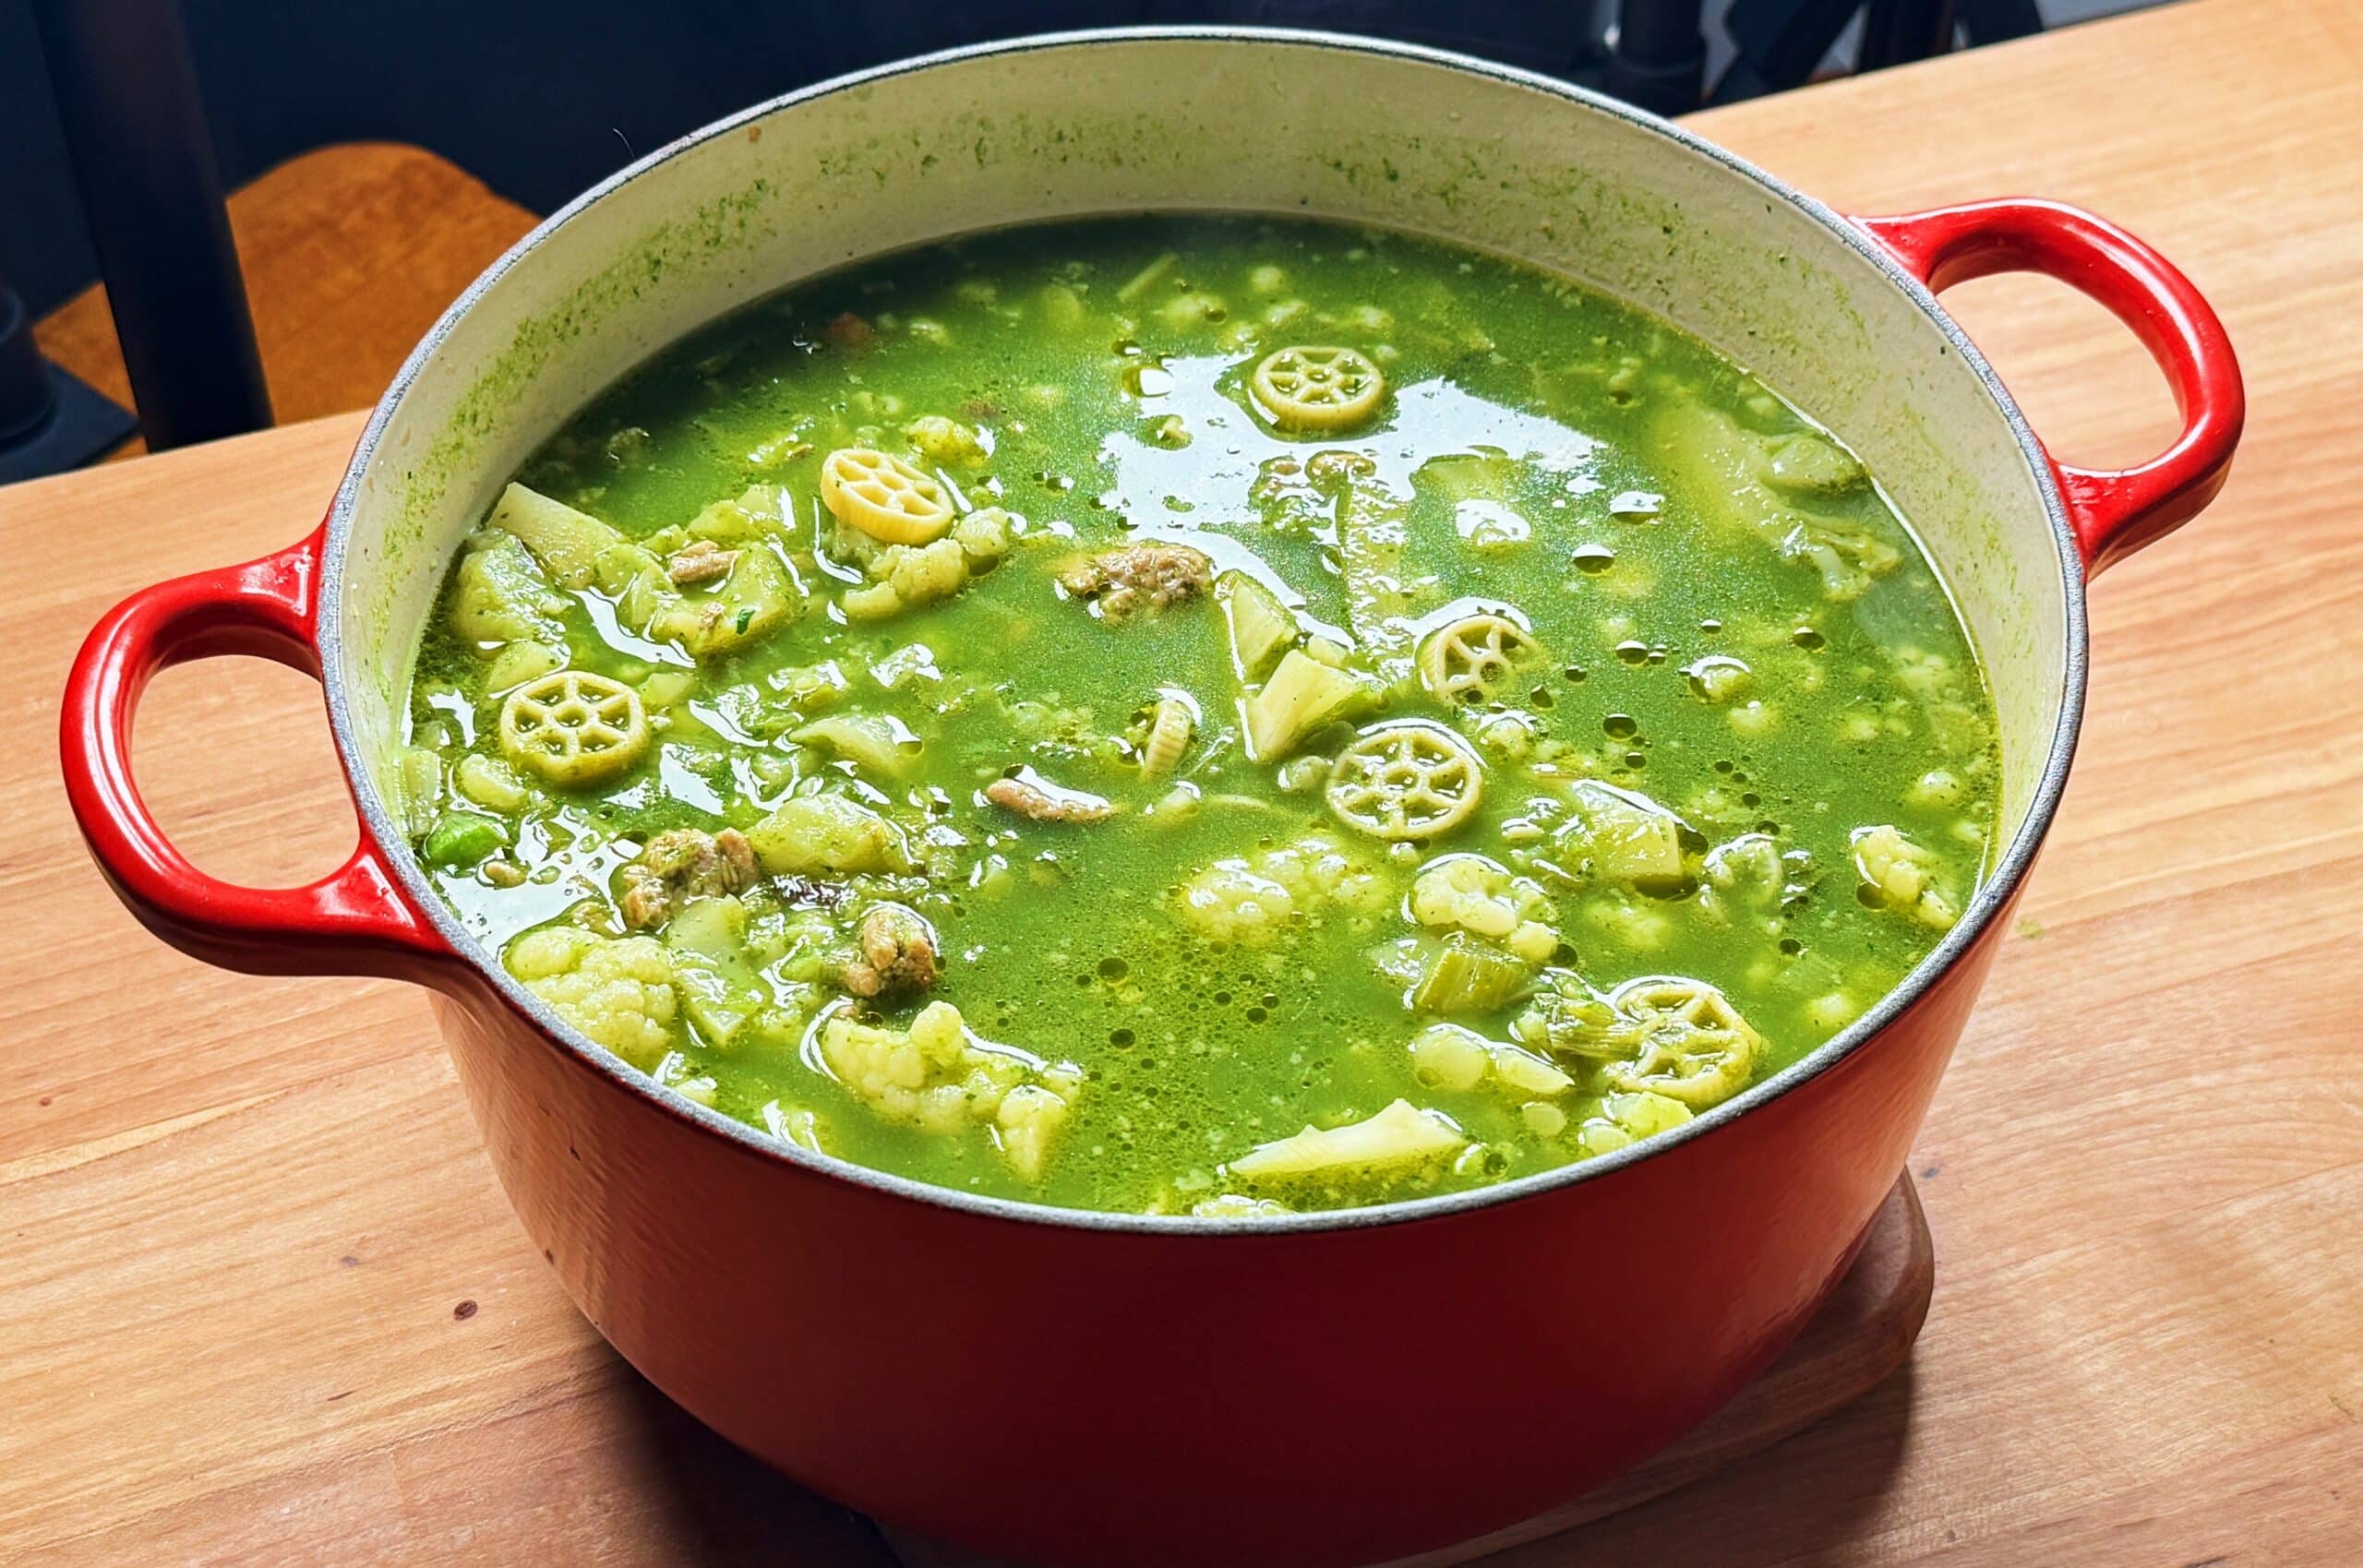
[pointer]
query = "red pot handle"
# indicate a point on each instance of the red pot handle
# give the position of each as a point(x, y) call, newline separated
point(2114, 511)
point(355, 919)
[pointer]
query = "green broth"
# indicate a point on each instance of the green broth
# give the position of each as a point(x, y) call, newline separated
point(1725, 623)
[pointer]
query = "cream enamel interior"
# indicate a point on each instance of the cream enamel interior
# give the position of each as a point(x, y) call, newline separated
point(1120, 123)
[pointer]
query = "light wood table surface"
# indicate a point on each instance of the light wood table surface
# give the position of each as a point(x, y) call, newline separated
point(261, 1302)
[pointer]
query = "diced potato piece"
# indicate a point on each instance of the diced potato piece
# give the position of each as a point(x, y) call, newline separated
point(1712, 463)
point(637, 580)
point(720, 991)
point(1400, 1135)
point(1642, 1113)
point(1302, 695)
point(877, 743)
point(1630, 837)
point(519, 663)
point(827, 835)
point(666, 688)
point(1528, 1073)
point(757, 597)
point(945, 441)
point(491, 784)
point(1629, 1116)
point(1260, 625)
point(497, 593)
point(1450, 1057)
point(1810, 463)
point(565, 541)
point(754, 514)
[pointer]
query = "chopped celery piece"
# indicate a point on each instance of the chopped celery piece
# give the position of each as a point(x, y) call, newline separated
point(1260, 625)
point(1302, 695)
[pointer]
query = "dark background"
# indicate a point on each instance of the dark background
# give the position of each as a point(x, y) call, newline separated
point(541, 98)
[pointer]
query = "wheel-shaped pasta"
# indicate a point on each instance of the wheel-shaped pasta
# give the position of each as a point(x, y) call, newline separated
point(1408, 778)
point(573, 727)
point(1473, 658)
point(883, 496)
point(1310, 387)
point(1694, 1044)
point(1172, 723)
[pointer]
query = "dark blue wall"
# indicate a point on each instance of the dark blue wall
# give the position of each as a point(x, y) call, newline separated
point(540, 98)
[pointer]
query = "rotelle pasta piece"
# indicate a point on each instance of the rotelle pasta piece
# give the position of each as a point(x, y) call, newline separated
point(1313, 386)
point(1408, 778)
point(573, 727)
point(883, 496)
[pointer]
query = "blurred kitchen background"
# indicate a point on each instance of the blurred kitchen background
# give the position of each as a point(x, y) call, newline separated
point(536, 99)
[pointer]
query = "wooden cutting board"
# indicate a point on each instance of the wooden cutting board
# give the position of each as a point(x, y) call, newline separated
point(261, 1302)
point(1860, 1338)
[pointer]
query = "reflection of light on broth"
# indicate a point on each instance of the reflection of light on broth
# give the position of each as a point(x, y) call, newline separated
point(1489, 523)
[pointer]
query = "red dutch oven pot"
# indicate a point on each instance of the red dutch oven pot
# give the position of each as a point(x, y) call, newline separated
point(1065, 1387)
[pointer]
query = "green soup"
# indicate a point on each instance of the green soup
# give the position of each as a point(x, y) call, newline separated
point(1200, 715)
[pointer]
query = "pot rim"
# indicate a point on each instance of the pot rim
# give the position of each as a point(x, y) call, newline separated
point(1992, 896)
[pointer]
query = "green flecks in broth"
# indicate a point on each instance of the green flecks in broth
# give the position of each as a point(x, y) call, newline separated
point(994, 716)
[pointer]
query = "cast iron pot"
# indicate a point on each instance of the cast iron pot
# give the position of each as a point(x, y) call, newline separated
point(1309, 1390)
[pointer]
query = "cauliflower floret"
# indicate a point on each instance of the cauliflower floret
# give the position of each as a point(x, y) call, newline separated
point(1450, 1057)
point(907, 576)
point(945, 441)
point(1484, 899)
point(1898, 874)
point(911, 576)
point(938, 1076)
point(1228, 902)
point(1626, 1117)
point(1249, 899)
point(1317, 868)
point(1029, 1119)
point(618, 992)
point(985, 535)
point(1400, 1135)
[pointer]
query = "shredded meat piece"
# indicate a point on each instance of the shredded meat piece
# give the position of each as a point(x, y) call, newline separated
point(804, 893)
point(1139, 577)
point(897, 952)
point(847, 330)
point(1045, 802)
point(702, 561)
point(680, 865)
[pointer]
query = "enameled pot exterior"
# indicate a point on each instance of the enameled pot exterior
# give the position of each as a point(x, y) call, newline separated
point(1310, 1391)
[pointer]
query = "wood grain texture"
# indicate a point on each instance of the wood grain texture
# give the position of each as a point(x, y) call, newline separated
point(2143, 1173)
point(350, 253)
